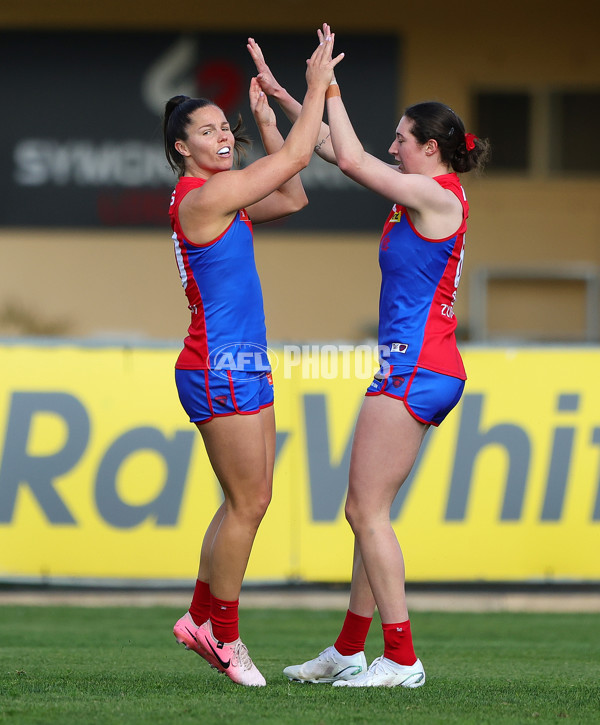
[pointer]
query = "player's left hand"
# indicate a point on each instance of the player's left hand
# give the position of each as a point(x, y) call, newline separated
point(259, 105)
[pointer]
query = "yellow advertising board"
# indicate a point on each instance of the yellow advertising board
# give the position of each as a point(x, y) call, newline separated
point(102, 477)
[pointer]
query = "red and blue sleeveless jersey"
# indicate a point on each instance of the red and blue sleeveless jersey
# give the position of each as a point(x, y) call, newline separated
point(419, 281)
point(221, 282)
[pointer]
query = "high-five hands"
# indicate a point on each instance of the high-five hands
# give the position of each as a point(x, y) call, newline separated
point(321, 64)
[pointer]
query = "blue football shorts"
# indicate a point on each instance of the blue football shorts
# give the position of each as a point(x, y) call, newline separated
point(428, 396)
point(208, 394)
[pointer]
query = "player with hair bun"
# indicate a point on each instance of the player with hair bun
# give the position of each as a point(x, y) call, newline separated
point(421, 377)
point(212, 211)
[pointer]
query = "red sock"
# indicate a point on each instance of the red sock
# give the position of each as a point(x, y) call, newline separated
point(353, 635)
point(398, 645)
point(200, 606)
point(224, 619)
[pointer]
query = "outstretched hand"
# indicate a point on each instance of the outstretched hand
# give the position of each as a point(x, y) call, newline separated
point(320, 65)
point(265, 77)
point(324, 32)
point(259, 105)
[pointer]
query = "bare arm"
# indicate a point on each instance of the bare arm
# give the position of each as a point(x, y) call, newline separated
point(435, 211)
point(288, 104)
point(290, 197)
point(206, 212)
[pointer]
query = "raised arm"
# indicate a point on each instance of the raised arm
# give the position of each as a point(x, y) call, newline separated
point(428, 201)
point(206, 212)
point(288, 104)
point(290, 197)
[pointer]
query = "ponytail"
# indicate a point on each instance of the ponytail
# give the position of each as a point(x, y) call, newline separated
point(178, 111)
point(462, 151)
point(472, 153)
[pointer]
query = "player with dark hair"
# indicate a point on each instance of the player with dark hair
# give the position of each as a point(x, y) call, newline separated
point(222, 373)
point(421, 376)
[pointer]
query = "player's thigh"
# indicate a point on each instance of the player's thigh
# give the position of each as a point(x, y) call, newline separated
point(240, 451)
point(267, 417)
point(386, 442)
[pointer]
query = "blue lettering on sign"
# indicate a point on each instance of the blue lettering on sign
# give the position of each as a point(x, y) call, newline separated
point(471, 441)
point(40, 472)
point(164, 509)
point(328, 481)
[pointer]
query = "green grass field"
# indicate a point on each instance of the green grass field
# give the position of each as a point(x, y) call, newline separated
point(122, 665)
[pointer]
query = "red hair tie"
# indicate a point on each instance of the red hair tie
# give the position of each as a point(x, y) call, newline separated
point(470, 139)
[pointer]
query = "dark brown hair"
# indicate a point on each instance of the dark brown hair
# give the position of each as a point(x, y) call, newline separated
point(433, 120)
point(178, 111)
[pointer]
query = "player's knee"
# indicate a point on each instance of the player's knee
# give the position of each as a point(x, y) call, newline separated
point(262, 503)
point(353, 514)
point(253, 507)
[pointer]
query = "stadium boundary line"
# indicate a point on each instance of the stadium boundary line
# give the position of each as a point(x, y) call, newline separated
point(495, 600)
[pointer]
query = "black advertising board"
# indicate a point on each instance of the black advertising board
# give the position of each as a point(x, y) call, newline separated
point(81, 127)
